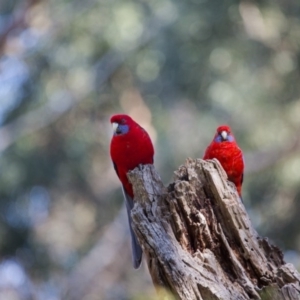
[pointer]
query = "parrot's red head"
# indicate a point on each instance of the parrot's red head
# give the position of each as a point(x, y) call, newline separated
point(121, 124)
point(224, 134)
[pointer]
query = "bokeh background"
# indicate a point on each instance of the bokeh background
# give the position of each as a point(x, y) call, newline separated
point(180, 68)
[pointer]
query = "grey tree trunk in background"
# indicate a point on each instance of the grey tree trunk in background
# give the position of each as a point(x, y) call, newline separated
point(199, 242)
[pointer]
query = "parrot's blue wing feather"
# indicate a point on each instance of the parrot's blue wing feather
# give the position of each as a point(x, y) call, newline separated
point(137, 251)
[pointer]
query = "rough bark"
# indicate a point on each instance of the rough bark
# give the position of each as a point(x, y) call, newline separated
point(199, 242)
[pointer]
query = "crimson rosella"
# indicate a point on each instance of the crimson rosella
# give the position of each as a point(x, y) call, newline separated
point(224, 148)
point(130, 146)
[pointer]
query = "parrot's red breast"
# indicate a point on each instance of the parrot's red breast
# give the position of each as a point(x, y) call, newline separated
point(224, 148)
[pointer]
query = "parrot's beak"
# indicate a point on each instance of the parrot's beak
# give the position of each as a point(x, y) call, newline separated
point(115, 126)
point(224, 135)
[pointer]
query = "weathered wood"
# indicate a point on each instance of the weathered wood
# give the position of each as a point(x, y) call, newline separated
point(199, 242)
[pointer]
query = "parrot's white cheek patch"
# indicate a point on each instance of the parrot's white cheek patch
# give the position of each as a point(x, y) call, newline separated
point(115, 126)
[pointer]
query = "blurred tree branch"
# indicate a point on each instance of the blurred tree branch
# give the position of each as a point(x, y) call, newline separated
point(198, 239)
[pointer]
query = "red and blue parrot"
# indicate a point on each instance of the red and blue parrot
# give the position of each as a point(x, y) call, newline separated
point(130, 146)
point(225, 149)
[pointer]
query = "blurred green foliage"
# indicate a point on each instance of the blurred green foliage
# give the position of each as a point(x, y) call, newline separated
point(180, 69)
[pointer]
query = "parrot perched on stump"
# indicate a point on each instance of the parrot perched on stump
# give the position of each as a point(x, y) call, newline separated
point(130, 146)
point(225, 149)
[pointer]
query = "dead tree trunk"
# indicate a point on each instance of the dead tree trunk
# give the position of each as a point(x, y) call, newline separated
point(199, 242)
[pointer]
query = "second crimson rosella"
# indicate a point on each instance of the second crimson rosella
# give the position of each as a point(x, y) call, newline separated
point(130, 146)
point(224, 148)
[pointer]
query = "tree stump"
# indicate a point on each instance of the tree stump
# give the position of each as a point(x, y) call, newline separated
point(198, 240)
